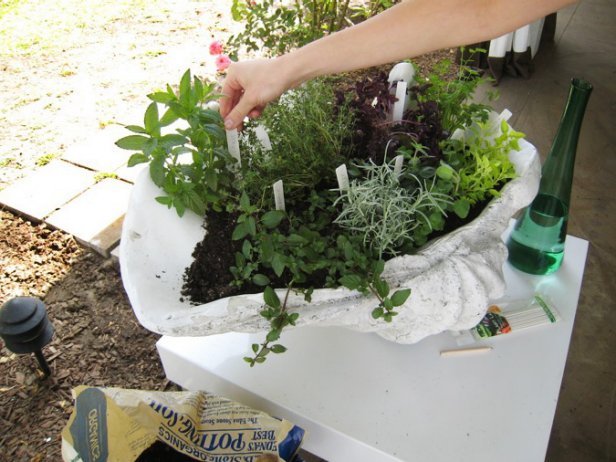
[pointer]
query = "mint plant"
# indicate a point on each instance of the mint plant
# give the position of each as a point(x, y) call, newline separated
point(191, 165)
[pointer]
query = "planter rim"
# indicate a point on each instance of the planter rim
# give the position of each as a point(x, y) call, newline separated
point(156, 247)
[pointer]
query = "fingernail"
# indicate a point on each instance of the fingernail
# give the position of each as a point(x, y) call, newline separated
point(229, 124)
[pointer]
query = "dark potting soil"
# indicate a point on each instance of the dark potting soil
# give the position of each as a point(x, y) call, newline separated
point(208, 278)
point(160, 452)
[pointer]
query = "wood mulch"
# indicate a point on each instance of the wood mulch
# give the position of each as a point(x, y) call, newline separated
point(97, 339)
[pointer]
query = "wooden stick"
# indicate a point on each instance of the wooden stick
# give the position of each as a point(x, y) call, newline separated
point(465, 351)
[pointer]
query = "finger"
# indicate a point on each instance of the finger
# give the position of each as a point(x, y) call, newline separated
point(232, 92)
point(235, 117)
point(255, 113)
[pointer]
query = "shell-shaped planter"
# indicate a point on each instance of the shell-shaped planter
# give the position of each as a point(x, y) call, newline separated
point(453, 279)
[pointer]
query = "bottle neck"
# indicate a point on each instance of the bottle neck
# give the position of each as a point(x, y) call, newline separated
point(557, 172)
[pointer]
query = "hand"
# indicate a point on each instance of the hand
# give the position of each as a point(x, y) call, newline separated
point(249, 87)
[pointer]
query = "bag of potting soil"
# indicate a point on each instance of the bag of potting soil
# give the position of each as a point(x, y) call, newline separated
point(119, 425)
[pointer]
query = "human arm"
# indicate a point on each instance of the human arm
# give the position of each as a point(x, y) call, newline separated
point(409, 29)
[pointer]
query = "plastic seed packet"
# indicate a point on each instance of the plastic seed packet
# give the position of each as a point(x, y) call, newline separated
point(118, 425)
point(511, 316)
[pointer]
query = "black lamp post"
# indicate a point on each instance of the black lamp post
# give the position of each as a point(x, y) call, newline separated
point(25, 328)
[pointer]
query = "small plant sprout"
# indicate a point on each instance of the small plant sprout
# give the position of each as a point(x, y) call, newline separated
point(100, 176)
point(45, 159)
point(276, 313)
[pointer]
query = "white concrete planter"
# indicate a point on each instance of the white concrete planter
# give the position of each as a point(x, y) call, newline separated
point(453, 279)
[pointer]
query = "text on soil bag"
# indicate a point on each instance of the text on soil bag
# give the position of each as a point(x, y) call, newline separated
point(218, 445)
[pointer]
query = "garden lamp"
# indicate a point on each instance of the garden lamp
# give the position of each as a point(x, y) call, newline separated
point(25, 328)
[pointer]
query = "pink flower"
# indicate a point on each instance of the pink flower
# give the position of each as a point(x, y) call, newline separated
point(222, 62)
point(216, 47)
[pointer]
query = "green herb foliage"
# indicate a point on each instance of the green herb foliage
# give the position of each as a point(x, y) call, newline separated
point(273, 27)
point(453, 95)
point(480, 161)
point(326, 237)
point(388, 215)
point(192, 164)
point(310, 137)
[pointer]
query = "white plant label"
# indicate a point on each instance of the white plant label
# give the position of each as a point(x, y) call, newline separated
point(343, 178)
point(398, 109)
point(505, 115)
point(263, 137)
point(398, 166)
point(233, 143)
point(279, 195)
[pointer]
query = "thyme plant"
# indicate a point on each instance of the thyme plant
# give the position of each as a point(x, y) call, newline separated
point(310, 137)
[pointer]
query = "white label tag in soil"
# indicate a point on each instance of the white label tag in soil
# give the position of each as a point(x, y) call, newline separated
point(279, 195)
point(233, 143)
point(398, 110)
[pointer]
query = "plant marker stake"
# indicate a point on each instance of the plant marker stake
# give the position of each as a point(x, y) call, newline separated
point(398, 109)
point(279, 195)
point(233, 143)
point(402, 71)
point(466, 351)
point(263, 137)
point(458, 134)
point(343, 178)
point(505, 115)
point(398, 165)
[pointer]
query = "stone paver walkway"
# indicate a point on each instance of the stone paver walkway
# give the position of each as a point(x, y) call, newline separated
point(85, 193)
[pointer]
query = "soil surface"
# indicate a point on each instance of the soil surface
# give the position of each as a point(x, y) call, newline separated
point(70, 71)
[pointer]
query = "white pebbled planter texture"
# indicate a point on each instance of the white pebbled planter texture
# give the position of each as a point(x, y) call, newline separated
point(453, 279)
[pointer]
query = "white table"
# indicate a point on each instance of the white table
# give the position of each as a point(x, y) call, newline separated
point(362, 398)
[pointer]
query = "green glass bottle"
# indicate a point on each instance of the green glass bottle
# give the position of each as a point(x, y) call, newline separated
point(537, 243)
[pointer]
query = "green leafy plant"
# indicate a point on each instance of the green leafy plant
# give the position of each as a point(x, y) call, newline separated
point(481, 161)
point(387, 215)
point(325, 237)
point(310, 137)
point(453, 95)
point(45, 159)
point(191, 164)
point(273, 27)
